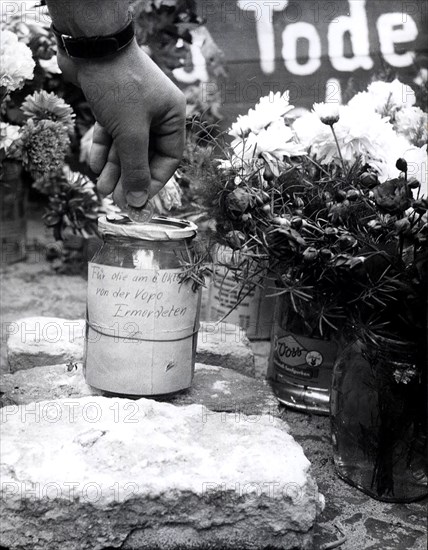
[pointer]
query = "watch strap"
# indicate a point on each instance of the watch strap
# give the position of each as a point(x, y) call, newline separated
point(95, 46)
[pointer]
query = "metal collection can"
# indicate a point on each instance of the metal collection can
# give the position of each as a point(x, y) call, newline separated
point(142, 310)
point(253, 312)
point(300, 367)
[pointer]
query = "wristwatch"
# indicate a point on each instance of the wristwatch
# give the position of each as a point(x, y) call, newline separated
point(85, 47)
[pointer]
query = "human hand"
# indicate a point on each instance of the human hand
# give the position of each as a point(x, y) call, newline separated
point(140, 129)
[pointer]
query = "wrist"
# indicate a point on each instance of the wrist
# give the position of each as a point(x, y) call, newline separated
point(95, 47)
point(75, 69)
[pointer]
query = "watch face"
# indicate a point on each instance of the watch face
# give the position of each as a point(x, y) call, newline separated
point(314, 358)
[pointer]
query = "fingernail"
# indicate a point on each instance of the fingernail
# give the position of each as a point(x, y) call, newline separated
point(137, 198)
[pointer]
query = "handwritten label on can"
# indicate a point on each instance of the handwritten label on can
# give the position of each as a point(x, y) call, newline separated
point(140, 303)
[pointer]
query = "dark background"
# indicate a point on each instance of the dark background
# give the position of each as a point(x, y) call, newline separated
point(237, 26)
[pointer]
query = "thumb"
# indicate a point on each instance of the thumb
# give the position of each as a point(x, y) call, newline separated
point(135, 174)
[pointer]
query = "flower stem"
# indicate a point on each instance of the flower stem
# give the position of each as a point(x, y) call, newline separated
point(338, 149)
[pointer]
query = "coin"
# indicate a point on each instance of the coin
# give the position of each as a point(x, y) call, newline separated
point(140, 215)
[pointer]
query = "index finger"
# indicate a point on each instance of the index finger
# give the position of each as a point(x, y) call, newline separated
point(166, 151)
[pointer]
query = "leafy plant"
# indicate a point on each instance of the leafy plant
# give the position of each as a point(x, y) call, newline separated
point(328, 202)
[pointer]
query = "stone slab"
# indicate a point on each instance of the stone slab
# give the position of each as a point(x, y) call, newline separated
point(216, 388)
point(33, 289)
point(41, 341)
point(225, 345)
point(92, 473)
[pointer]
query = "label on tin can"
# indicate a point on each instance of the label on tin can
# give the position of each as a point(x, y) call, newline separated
point(141, 303)
point(308, 361)
point(252, 308)
point(141, 330)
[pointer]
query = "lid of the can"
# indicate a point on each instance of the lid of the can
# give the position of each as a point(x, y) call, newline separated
point(159, 228)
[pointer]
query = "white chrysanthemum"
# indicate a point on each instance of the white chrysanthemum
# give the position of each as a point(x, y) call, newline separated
point(244, 150)
point(16, 62)
point(272, 144)
point(241, 127)
point(328, 113)
point(412, 123)
point(385, 98)
point(269, 109)
point(277, 140)
point(310, 130)
point(80, 180)
point(8, 134)
point(371, 138)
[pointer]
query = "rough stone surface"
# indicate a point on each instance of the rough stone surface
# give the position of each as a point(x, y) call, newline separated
point(225, 345)
point(216, 388)
point(96, 472)
point(32, 288)
point(366, 523)
point(222, 389)
point(41, 341)
point(43, 383)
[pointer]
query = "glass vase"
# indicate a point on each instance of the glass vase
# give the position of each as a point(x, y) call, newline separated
point(379, 419)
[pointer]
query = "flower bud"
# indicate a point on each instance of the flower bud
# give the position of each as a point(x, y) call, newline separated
point(402, 226)
point(296, 222)
point(392, 196)
point(420, 205)
point(238, 200)
point(327, 112)
point(310, 254)
point(268, 175)
point(235, 239)
point(330, 232)
point(277, 220)
point(352, 194)
point(401, 165)
point(413, 184)
point(326, 254)
point(369, 179)
point(347, 241)
point(264, 196)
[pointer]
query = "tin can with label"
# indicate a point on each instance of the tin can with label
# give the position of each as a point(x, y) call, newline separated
point(251, 308)
point(142, 309)
point(300, 367)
